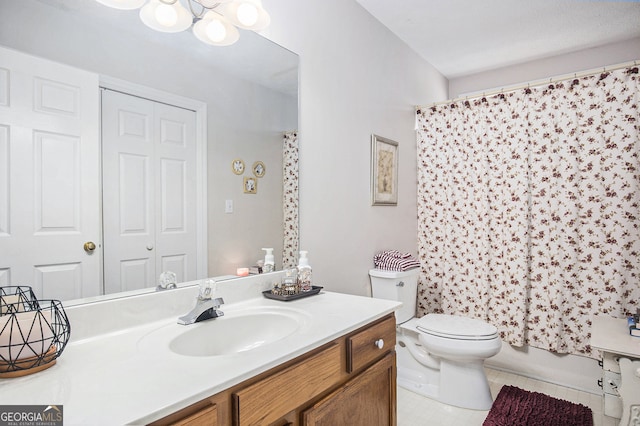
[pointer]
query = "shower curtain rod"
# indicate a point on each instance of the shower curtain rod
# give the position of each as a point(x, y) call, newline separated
point(535, 83)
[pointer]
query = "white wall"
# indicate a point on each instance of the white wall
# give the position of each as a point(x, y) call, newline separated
point(356, 78)
point(556, 66)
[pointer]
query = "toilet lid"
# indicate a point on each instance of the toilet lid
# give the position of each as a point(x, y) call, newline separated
point(456, 327)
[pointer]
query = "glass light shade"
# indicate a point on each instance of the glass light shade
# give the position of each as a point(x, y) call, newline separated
point(123, 4)
point(247, 14)
point(167, 18)
point(166, 15)
point(216, 30)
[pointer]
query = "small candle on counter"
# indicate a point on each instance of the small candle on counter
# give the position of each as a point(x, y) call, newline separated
point(242, 272)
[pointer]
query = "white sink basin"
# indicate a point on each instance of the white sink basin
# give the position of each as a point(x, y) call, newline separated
point(235, 332)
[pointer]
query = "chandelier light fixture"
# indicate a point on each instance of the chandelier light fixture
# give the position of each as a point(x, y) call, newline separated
point(214, 22)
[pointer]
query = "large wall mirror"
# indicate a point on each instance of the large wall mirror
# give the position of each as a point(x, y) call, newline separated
point(249, 91)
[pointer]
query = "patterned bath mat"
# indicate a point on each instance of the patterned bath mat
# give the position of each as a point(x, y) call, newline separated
point(518, 407)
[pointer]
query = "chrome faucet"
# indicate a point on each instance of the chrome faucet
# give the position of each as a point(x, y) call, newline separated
point(206, 306)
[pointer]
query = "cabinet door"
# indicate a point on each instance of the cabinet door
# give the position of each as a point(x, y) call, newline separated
point(369, 399)
point(207, 416)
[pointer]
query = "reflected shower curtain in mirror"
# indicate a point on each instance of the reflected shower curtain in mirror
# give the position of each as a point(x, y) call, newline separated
point(290, 200)
point(529, 211)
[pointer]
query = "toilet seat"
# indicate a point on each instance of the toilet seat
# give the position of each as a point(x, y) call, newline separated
point(456, 327)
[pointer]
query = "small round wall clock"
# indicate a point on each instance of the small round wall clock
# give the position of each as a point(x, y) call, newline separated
point(259, 169)
point(237, 166)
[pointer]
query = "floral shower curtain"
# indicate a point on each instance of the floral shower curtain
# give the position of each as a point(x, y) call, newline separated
point(529, 208)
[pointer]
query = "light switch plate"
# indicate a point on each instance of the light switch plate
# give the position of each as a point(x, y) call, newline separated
point(228, 206)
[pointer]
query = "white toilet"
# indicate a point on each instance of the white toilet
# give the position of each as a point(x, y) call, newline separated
point(439, 356)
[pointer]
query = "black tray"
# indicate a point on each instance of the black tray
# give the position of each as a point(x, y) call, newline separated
point(285, 298)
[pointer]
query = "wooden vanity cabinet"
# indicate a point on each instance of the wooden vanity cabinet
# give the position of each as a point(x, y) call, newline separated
point(349, 381)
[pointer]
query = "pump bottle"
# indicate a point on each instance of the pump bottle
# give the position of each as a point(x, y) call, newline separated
point(304, 272)
point(269, 262)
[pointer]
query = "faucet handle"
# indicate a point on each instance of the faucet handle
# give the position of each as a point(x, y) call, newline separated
point(167, 280)
point(207, 289)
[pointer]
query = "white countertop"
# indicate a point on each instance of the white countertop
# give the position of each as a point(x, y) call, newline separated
point(610, 334)
point(121, 377)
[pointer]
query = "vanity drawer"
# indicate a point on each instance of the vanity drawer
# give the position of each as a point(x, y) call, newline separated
point(272, 398)
point(205, 416)
point(362, 347)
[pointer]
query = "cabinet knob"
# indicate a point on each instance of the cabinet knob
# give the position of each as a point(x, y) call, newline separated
point(149, 247)
point(379, 343)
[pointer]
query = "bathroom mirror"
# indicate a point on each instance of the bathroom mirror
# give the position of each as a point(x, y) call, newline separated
point(250, 89)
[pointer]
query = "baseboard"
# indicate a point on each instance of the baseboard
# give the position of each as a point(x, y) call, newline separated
point(572, 371)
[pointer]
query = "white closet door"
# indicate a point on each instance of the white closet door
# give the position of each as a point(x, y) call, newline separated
point(148, 154)
point(49, 177)
point(176, 236)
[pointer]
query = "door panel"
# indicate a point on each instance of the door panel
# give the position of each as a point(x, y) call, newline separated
point(134, 273)
point(5, 277)
point(176, 196)
point(57, 183)
point(64, 278)
point(127, 162)
point(54, 97)
point(49, 177)
point(176, 263)
point(4, 180)
point(134, 197)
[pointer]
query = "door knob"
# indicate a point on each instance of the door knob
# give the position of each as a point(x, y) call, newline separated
point(89, 246)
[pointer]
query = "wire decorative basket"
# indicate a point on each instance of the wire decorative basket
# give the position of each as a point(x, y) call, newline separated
point(33, 333)
point(17, 299)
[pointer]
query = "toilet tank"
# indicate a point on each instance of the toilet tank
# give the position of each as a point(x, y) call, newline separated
point(397, 285)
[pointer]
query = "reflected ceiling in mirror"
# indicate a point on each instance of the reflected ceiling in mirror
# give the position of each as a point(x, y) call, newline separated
point(252, 57)
point(250, 89)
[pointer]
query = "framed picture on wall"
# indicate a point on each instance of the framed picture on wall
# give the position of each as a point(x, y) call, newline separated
point(384, 171)
point(259, 169)
point(250, 185)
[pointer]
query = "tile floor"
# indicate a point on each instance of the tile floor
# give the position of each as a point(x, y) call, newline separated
point(416, 410)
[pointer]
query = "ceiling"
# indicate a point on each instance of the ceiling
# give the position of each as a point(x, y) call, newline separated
point(463, 37)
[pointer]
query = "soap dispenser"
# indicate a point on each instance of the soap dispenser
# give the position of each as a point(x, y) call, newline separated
point(269, 262)
point(304, 272)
